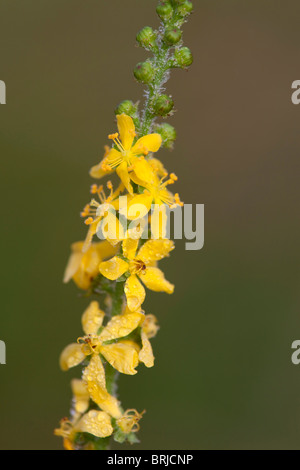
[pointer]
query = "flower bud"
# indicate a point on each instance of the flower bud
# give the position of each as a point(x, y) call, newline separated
point(172, 35)
point(163, 105)
point(183, 57)
point(146, 38)
point(164, 10)
point(185, 8)
point(167, 133)
point(126, 107)
point(144, 72)
point(131, 109)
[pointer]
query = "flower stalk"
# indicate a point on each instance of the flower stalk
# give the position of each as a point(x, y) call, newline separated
point(131, 222)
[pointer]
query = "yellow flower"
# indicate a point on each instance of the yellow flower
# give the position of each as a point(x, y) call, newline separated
point(125, 156)
point(96, 211)
point(97, 423)
point(122, 355)
point(83, 267)
point(139, 266)
point(129, 422)
point(156, 194)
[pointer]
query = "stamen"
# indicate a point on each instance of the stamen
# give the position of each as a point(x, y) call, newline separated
point(94, 189)
point(113, 136)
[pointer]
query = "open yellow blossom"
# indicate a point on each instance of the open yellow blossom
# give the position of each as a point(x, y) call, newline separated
point(97, 423)
point(155, 192)
point(122, 355)
point(157, 197)
point(83, 267)
point(127, 156)
point(96, 211)
point(139, 265)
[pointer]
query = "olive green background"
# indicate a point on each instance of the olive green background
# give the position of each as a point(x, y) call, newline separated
point(223, 377)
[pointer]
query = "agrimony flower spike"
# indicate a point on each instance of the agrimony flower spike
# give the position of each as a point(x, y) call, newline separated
point(116, 336)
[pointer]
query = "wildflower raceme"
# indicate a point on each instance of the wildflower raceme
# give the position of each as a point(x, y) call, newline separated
point(125, 241)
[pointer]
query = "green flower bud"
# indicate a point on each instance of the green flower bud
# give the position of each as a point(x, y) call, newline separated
point(144, 72)
point(163, 105)
point(183, 57)
point(172, 35)
point(167, 133)
point(146, 38)
point(185, 8)
point(126, 107)
point(164, 10)
point(131, 109)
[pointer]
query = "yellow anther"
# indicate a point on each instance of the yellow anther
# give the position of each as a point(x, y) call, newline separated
point(113, 136)
point(94, 189)
point(173, 177)
point(109, 185)
point(177, 200)
point(89, 221)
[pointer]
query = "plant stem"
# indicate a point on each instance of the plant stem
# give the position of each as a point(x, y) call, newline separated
point(161, 76)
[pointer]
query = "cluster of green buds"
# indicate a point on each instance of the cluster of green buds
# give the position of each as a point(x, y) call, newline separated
point(166, 45)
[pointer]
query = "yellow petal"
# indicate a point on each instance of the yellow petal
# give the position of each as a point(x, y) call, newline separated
point(135, 293)
point(81, 397)
point(92, 318)
point(159, 220)
point(104, 249)
point(154, 279)
point(150, 326)
point(71, 356)
point(121, 356)
point(146, 353)
point(155, 250)
point(139, 205)
point(104, 400)
point(129, 247)
point(94, 372)
point(73, 265)
point(143, 170)
point(158, 167)
point(122, 172)
point(112, 228)
point(121, 325)
point(89, 266)
point(83, 267)
point(113, 268)
point(94, 378)
point(95, 422)
point(148, 143)
point(100, 170)
point(93, 227)
point(126, 129)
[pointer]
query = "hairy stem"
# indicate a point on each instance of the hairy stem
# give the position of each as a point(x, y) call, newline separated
point(161, 76)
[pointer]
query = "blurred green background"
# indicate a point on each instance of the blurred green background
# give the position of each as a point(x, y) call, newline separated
point(223, 377)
